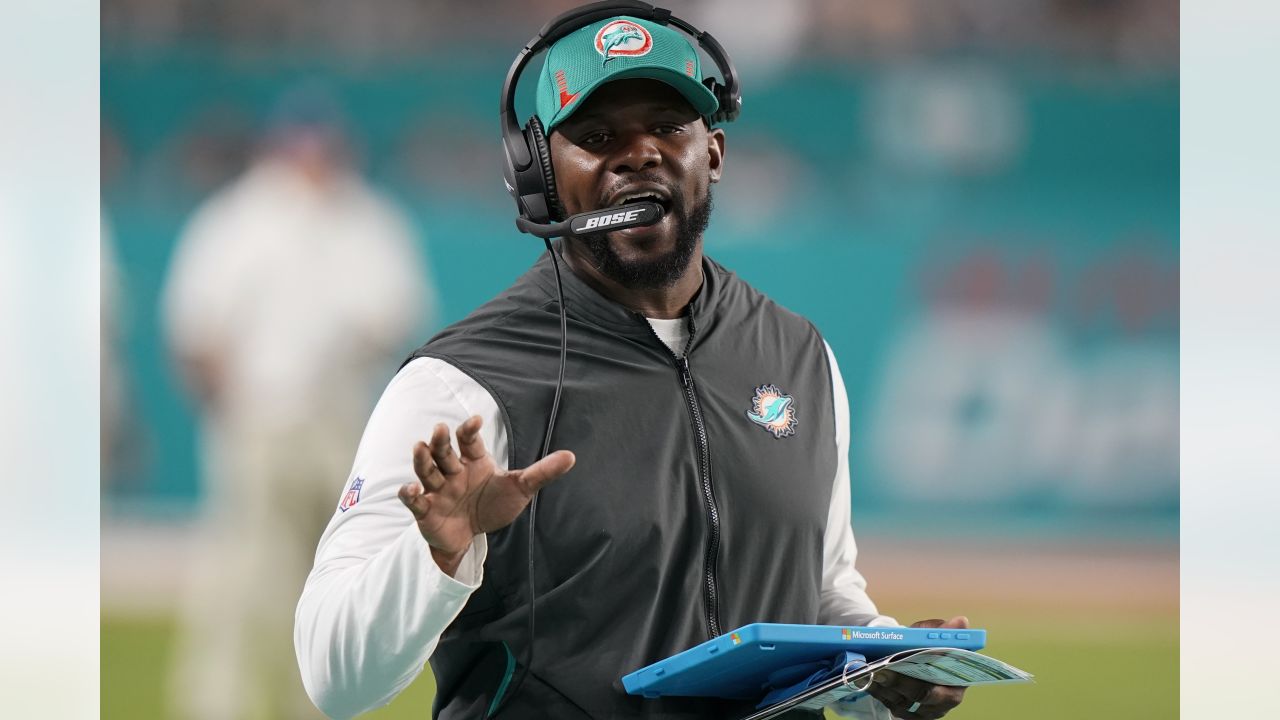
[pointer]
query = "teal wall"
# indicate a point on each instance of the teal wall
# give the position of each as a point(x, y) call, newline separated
point(1074, 224)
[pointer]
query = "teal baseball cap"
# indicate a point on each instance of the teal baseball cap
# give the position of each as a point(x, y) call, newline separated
point(615, 49)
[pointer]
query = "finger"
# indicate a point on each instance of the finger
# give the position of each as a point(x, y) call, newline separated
point(469, 442)
point(959, 621)
point(909, 688)
point(884, 689)
point(942, 698)
point(890, 698)
point(414, 497)
point(540, 474)
point(898, 708)
point(897, 681)
point(442, 451)
point(937, 701)
point(425, 468)
point(928, 702)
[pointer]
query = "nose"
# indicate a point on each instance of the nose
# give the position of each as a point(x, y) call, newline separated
point(638, 152)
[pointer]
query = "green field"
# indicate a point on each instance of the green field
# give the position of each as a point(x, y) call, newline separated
point(1121, 664)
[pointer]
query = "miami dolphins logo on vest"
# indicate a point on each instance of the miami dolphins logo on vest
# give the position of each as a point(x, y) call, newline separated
point(622, 38)
point(774, 411)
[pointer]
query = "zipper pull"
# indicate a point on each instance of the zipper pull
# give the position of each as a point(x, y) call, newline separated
point(682, 364)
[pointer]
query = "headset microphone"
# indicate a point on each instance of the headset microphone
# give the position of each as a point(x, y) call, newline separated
point(631, 215)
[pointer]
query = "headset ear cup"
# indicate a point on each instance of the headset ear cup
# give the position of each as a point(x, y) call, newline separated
point(542, 156)
point(711, 84)
point(728, 107)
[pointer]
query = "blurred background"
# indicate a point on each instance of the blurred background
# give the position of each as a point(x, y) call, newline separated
point(976, 202)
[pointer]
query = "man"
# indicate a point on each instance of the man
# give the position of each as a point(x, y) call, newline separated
point(290, 292)
point(704, 484)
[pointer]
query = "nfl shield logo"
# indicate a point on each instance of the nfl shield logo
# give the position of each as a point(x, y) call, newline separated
point(352, 496)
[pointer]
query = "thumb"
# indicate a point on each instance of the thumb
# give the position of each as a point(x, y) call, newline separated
point(540, 474)
point(959, 621)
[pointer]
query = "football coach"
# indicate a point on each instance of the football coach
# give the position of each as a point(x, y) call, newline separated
point(700, 480)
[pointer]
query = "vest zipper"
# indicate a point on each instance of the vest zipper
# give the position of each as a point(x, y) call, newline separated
point(710, 589)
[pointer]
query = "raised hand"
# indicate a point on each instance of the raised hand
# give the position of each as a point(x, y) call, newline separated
point(458, 497)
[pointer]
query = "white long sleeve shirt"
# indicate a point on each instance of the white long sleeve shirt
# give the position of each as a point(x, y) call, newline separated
point(376, 603)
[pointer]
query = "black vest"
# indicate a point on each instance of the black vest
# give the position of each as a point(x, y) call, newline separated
point(683, 518)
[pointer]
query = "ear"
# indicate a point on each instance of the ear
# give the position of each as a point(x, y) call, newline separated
point(715, 152)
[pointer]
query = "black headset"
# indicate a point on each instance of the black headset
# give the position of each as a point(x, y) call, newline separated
point(527, 172)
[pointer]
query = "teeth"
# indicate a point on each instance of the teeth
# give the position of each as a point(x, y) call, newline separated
point(637, 196)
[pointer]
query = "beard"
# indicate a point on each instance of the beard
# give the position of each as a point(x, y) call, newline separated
point(662, 271)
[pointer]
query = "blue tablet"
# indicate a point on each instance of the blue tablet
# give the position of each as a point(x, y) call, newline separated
point(738, 664)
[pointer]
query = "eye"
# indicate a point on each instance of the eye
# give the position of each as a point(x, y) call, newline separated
point(669, 129)
point(594, 139)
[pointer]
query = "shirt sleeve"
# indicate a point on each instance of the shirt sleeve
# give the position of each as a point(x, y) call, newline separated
point(375, 604)
point(844, 599)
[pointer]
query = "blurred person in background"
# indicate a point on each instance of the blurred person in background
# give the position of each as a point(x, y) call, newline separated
point(291, 291)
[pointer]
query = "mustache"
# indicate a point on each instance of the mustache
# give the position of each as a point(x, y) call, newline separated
point(677, 200)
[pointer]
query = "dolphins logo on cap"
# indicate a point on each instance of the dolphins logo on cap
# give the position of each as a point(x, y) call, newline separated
point(622, 38)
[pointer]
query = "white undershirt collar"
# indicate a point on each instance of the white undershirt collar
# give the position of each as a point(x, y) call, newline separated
point(673, 333)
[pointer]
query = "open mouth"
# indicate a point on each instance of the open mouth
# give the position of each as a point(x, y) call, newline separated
point(645, 196)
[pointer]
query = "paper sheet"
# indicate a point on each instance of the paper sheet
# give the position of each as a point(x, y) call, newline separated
point(941, 666)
